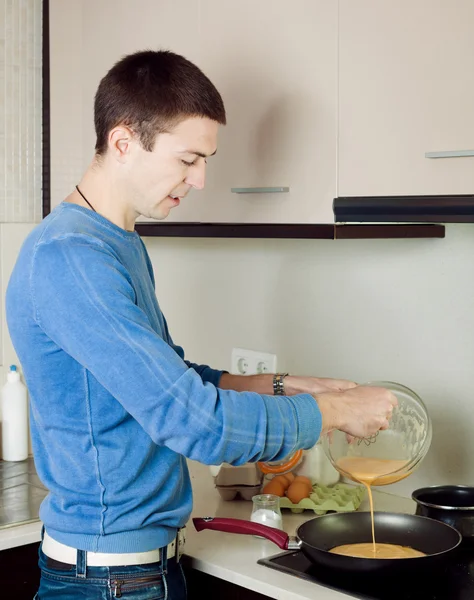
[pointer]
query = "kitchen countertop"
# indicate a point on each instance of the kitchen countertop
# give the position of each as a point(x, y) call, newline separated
point(231, 557)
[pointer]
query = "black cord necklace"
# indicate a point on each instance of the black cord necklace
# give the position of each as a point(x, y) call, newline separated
point(77, 188)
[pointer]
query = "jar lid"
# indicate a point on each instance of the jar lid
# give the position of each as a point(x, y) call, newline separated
point(279, 467)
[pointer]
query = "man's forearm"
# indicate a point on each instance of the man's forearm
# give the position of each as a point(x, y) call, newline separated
point(358, 410)
point(262, 384)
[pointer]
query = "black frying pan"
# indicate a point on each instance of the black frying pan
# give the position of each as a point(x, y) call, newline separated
point(317, 536)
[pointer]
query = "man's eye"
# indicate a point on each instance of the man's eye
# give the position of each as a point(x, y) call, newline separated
point(188, 164)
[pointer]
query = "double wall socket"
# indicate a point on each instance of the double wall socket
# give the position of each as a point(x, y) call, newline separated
point(251, 362)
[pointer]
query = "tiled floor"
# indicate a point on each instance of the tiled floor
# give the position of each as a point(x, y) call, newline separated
point(21, 493)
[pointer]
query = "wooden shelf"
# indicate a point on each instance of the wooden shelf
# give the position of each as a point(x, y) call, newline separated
point(290, 231)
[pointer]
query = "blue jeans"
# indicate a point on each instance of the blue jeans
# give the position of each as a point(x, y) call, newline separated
point(156, 581)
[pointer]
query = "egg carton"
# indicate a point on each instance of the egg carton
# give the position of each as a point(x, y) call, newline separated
point(242, 475)
point(340, 497)
point(230, 492)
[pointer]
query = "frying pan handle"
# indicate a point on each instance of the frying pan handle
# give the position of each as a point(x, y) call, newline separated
point(277, 536)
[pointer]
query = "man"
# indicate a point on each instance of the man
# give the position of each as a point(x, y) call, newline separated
point(115, 408)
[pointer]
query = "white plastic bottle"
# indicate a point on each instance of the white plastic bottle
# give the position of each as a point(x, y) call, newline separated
point(14, 418)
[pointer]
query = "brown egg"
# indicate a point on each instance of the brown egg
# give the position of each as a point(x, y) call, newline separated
point(285, 481)
point(304, 480)
point(290, 476)
point(297, 491)
point(274, 487)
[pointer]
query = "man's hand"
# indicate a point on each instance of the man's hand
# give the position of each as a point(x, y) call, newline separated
point(359, 411)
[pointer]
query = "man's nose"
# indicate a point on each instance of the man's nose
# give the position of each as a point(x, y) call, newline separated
point(197, 175)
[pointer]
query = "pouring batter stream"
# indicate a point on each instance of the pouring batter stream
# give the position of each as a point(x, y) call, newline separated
point(373, 471)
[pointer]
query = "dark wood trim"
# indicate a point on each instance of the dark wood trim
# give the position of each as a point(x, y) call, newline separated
point(46, 114)
point(289, 231)
point(237, 230)
point(404, 209)
point(356, 232)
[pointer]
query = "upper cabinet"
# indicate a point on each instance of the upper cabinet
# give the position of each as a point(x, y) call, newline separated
point(275, 65)
point(324, 99)
point(406, 90)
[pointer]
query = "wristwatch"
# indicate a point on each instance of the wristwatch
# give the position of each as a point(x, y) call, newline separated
point(278, 387)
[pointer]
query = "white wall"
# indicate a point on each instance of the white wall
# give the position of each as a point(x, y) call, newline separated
point(398, 310)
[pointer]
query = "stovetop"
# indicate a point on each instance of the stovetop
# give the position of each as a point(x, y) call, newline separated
point(453, 581)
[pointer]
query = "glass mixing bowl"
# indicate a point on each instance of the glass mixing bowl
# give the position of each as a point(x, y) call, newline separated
point(406, 441)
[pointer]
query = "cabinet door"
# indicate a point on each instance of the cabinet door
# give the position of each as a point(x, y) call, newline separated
point(406, 88)
point(274, 62)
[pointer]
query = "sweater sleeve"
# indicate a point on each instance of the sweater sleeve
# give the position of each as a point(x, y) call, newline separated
point(84, 301)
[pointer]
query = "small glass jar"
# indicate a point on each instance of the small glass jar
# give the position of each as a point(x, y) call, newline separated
point(266, 511)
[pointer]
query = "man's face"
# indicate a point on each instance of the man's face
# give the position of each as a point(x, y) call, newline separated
point(160, 179)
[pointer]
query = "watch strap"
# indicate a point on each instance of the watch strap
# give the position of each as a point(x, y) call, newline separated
point(278, 387)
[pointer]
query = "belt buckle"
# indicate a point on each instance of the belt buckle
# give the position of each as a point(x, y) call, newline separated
point(179, 544)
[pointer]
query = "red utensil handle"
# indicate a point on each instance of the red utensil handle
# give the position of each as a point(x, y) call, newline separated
point(277, 536)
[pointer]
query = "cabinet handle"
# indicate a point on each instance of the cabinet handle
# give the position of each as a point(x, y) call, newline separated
point(259, 190)
point(449, 154)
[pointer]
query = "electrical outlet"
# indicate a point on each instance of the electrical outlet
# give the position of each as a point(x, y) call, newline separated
point(251, 362)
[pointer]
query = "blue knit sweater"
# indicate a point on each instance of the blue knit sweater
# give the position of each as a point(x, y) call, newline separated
point(115, 408)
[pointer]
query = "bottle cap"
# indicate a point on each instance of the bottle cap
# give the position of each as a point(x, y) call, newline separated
point(13, 374)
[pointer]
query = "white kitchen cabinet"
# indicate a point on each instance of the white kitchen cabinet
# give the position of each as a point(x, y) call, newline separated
point(275, 64)
point(323, 98)
point(406, 88)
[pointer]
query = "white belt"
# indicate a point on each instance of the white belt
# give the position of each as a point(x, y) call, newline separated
point(68, 555)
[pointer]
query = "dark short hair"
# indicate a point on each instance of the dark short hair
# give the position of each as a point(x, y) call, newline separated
point(151, 92)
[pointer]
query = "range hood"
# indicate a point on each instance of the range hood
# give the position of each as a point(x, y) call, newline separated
point(404, 209)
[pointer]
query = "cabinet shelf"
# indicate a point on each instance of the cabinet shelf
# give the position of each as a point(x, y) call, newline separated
point(290, 231)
